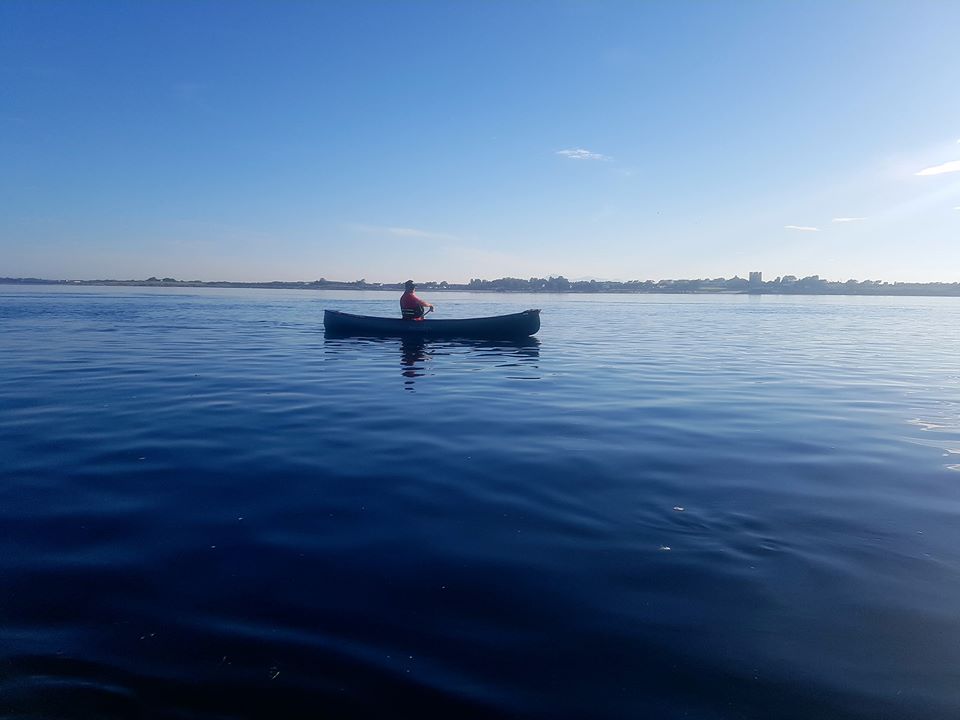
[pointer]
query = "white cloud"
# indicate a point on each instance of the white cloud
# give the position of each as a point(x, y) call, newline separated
point(403, 232)
point(412, 232)
point(803, 228)
point(581, 154)
point(847, 219)
point(947, 167)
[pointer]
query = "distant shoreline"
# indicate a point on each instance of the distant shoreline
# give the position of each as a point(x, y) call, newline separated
point(734, 286)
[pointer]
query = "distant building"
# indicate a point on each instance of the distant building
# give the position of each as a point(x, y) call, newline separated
point(756, 278)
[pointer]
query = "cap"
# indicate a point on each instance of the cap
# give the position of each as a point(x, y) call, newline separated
point(409, 284)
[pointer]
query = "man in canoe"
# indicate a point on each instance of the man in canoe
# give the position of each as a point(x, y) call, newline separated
point(412, 307)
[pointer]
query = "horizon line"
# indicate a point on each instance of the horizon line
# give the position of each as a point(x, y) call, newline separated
point(399, 284)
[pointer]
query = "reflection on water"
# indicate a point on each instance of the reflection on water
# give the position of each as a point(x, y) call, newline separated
point(520, 356)
point(413, 356)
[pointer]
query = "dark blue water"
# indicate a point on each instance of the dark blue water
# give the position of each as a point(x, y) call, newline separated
point(665, 507)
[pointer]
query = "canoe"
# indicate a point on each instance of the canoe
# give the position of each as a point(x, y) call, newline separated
point(522, 324)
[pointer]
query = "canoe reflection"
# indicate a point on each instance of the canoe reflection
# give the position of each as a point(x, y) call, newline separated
point(421, 357)
point(415, 353)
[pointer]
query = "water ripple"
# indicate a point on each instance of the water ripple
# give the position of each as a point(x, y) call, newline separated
point(714, 507)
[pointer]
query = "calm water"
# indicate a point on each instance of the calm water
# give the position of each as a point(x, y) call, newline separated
point(664, 507)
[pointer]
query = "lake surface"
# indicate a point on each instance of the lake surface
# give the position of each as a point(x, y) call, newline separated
point(663, 506)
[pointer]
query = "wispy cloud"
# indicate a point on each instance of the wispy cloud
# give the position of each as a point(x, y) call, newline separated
point(947, 167)
point(802, 228)
point(581, 154)
point(403, 232)
point(414, 232)
point(848, 219)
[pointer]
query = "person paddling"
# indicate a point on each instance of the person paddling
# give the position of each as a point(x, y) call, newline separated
point(412, 307)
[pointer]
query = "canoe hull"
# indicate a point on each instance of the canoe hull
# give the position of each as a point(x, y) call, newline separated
point(517, 325)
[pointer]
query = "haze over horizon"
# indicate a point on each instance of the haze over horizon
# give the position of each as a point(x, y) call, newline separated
point(255, 141)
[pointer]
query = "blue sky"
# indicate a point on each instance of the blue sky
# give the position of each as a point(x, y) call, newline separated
point(448, 140)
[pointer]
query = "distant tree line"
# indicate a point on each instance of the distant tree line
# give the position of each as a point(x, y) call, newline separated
point(786, 285)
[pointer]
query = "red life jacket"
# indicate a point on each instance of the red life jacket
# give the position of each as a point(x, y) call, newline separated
point(411, 307)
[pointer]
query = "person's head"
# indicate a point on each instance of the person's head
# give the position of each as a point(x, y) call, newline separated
point(409, 285)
